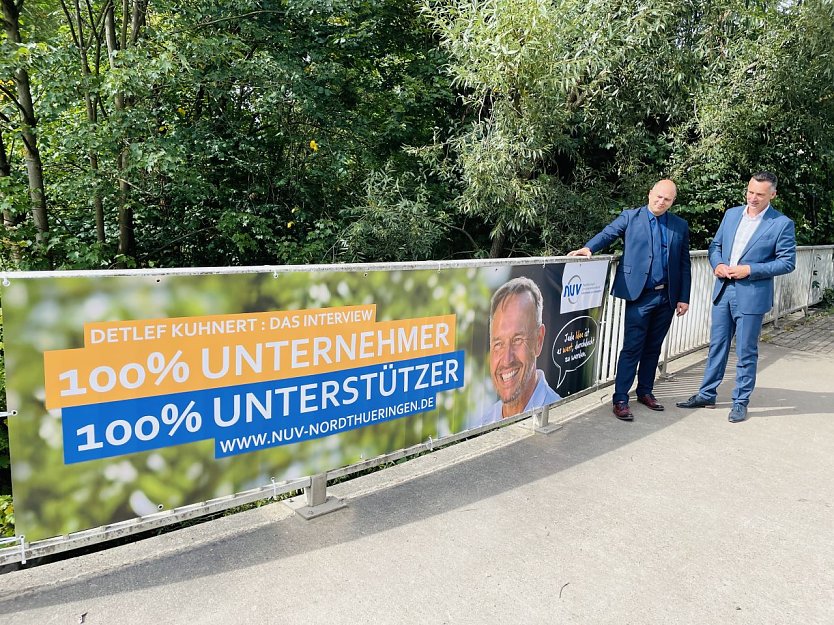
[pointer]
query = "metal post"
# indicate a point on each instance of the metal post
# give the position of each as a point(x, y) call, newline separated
point(664, 362)
point(315, 501)
point(808, 295)
point(778, 305)
point(316, 493)
point(541, 421)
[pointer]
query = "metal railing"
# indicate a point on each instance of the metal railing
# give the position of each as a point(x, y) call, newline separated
point(796, 291)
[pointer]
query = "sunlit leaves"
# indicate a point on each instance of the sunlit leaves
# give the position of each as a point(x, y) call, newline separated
point(567, 94)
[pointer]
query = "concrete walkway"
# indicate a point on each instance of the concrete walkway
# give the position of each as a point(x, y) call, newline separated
point(812, 334)
point(678, 517)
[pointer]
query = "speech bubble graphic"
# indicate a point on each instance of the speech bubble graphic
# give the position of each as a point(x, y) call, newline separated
point(574, 344)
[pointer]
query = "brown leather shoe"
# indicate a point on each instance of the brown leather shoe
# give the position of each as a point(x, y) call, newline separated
point(650, 402)
point(622, 411)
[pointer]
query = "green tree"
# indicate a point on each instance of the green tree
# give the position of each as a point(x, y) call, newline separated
point(17, 53)
point(568, 101)
point(206, 134)
point(577, 107)
point(766, 102)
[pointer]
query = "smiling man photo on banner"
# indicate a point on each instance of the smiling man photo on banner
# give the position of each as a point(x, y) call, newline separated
point(516, 338)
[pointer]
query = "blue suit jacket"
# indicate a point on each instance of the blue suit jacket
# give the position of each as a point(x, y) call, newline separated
point(633, 271)
point(770, 252)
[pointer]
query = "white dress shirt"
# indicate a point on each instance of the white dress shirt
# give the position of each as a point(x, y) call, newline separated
point(746, 229)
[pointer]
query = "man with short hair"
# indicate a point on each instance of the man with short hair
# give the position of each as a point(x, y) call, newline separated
point(653, 277)
point(754, 243)
point(516, 338)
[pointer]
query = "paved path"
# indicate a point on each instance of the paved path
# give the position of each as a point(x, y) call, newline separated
point(677, 518)
point(812, 334)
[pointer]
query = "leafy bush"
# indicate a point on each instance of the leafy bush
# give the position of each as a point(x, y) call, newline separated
point(6, 516)
point(827, 300)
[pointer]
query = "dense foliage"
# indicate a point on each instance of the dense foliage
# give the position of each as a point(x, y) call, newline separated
point(213, 133)
point(261, 132)
point(581, 105)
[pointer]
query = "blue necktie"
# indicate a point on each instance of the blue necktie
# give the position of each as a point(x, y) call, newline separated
point(657, 253)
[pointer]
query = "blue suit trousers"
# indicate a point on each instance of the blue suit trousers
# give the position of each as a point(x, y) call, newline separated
point(727, 322)
point(647, 319)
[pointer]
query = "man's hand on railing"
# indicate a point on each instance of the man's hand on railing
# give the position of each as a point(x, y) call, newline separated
point(584, 251)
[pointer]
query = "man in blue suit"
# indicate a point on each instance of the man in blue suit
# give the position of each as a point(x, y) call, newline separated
point(754, 243)
point(653, 277)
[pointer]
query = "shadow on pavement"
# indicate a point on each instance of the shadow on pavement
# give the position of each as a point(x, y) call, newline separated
point(459, 487)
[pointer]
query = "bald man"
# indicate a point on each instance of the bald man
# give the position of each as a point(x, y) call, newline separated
point(654, 278)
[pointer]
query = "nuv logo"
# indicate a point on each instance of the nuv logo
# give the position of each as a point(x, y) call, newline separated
point(572, 289)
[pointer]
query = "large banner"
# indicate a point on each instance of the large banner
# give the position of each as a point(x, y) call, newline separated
point(145, 392)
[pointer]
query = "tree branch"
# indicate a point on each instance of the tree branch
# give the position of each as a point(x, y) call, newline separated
point(13, 98)
point(220, 20)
